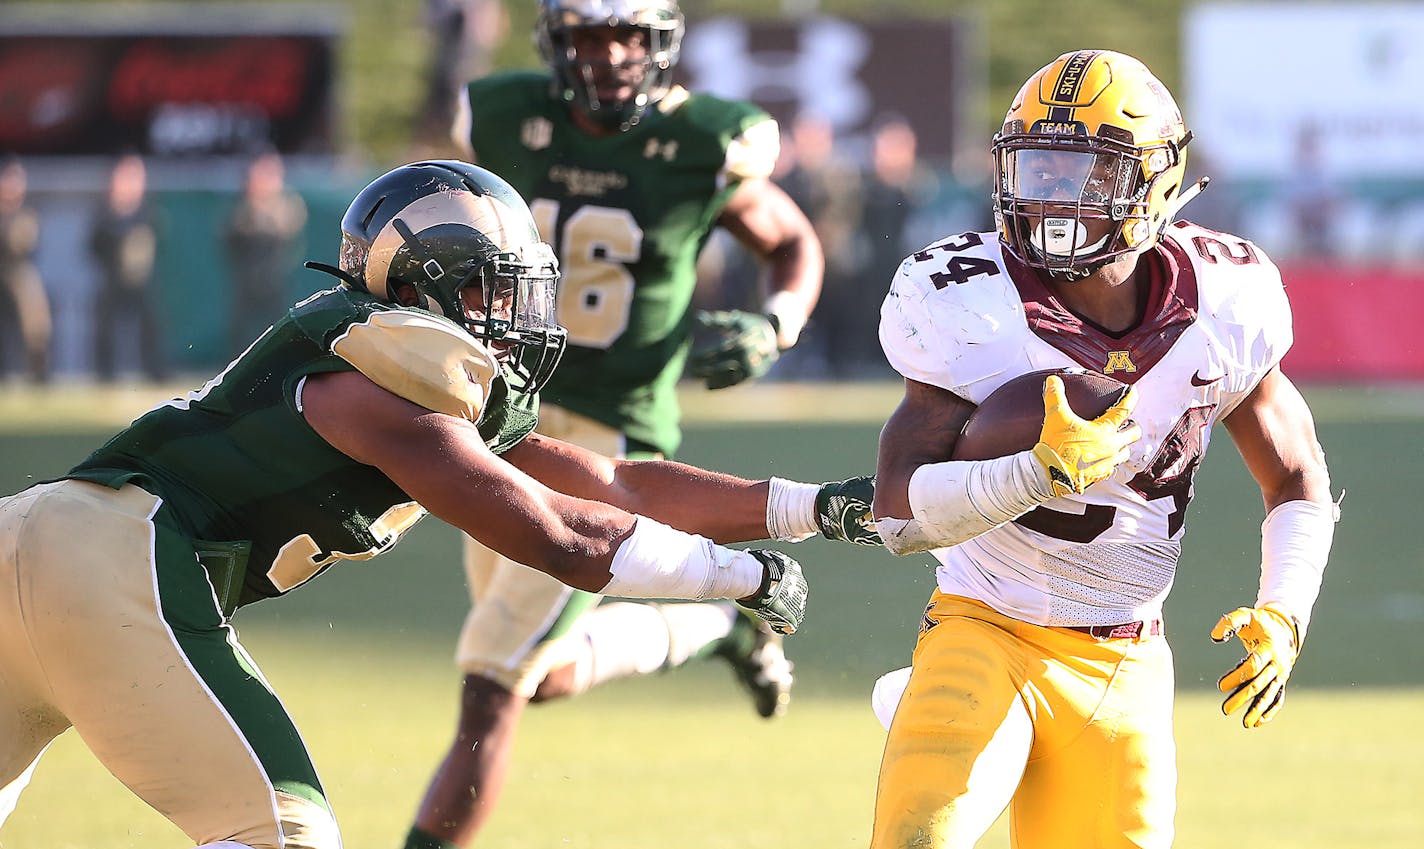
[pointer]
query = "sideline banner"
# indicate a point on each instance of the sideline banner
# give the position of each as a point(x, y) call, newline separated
point(850, 72)
point(1355, 322)
point(176, 83)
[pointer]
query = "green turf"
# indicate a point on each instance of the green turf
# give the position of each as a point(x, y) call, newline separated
point(361, 659)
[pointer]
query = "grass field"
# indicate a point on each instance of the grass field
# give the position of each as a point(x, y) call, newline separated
point(361, 660)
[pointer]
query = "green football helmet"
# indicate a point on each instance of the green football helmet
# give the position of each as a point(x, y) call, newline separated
point(421, 234)
point(576, 80)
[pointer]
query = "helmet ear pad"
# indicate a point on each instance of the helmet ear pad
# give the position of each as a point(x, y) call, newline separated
point(405, 294)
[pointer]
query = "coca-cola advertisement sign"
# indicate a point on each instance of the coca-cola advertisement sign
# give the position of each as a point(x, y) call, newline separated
point(165, 94)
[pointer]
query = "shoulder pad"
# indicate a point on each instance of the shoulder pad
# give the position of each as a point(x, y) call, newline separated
point(1242, 301)
point(509, 85)
point(748, 137)
point(422, 358)
point(752, 153)
point(952, 317)
point(489, 106)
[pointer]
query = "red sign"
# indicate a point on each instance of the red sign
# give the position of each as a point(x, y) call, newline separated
point(1355, 322)
point(165, 94)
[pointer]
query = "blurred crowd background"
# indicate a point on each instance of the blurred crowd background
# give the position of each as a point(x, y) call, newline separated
point(166, 167)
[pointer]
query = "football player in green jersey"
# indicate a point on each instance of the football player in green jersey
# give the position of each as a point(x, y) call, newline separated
point(627, 177)
point(410, 387)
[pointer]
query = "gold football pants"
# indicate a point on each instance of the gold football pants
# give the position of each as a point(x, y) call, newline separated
point(1072, 733)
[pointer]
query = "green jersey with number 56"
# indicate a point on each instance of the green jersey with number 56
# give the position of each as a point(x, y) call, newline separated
point(627, 213)
point(236, 462)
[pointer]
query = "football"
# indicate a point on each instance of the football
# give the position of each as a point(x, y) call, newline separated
point(1011, 418)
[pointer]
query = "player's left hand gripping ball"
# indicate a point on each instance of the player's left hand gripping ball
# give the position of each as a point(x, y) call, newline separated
point(781, 599)
point(843, 511)
point(730, 346)
point(1258, 682)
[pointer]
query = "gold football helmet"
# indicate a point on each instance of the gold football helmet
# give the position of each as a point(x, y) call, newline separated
point(1091, 137)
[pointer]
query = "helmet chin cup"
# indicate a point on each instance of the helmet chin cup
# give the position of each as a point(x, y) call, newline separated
point(1063, 238)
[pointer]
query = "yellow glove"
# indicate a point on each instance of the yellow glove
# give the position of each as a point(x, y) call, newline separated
point(1076, 452)
point(1272, 643)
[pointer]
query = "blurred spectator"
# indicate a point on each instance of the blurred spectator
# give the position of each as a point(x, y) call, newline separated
point(895, 186)
point(465, 34)
point(1314, 198)
point(828, 191)
point(23, 301)
point(263, 243)
point(123, 240)
point(1215, 208)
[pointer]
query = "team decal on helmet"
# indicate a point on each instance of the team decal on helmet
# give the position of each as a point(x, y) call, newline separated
point(662, 25)
point(1091, 137)
point(422, 234)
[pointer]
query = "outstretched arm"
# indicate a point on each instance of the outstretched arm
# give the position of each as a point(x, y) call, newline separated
point(442, 462)
point(721, 507)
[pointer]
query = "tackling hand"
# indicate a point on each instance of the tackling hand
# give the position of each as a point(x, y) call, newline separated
point(843, 511)
point(1078, 453)
point(731, 346)
point(1258, 682)
point(781, 599)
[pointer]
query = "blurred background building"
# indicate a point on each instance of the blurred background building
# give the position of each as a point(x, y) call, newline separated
point(1300, 112)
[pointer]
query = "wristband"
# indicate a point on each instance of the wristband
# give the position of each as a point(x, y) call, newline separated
point(789, 312)
point(791, 510)
point(658, 561)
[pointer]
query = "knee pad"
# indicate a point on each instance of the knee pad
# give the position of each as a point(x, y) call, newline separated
point(518, 613)
point(885, 698)
point(304, 825)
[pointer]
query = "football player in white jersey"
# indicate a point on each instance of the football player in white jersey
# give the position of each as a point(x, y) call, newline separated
point(1041, 680)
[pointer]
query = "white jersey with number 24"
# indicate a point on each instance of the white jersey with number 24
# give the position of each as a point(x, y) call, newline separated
point(965, 316)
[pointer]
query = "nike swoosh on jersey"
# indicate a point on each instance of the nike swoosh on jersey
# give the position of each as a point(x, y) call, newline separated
point(1198, 380)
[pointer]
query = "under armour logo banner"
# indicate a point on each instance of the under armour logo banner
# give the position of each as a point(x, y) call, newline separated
point(848, 72)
